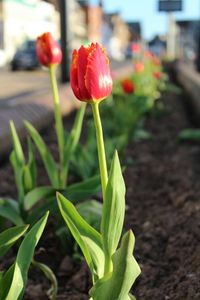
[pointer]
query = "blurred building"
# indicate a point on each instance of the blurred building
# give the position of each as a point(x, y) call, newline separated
point(135, 31)
point(115, 35)
point(93, 20)
point(188, 38)
point(22, 20)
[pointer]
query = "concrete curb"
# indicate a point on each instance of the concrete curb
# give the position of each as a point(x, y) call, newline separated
point(190, 80)
point(39, 112)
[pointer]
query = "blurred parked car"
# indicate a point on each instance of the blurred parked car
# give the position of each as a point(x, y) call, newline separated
point(25, 58)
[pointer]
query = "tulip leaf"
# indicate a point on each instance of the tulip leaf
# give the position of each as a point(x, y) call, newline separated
point(5, 283)
point(189, 135)
point(74, 135)
point(32, 161)
point(9, 209)
point(117, 284)
point(84, 189)
point(9, 237)
point(18, 171)
point(86, 236)
point(91, 211)
point(17, 145)
point(49, 204)
point(113, 208)
point(46, 156)
point(38, 194)
point(20, 268)
point(30, 170)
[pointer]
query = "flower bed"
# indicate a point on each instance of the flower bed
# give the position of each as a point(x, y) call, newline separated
point(72, 171)
point(163, 198)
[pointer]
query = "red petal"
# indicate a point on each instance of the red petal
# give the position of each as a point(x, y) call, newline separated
point(98, 79)
point(74, 75)
point(82, 65)
point(48, 50)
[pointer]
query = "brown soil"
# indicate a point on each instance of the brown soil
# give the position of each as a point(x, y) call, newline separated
point(163, 193)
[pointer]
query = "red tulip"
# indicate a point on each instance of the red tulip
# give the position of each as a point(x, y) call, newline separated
point(148, 54)
point(156, 61)
point(157, 75)
point(128, 86)
point(139, 67)
point(90, 76)
point(135, 48)
point(48, 50)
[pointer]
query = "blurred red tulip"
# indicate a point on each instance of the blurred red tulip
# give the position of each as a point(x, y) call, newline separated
point(128, 86)
point(157, 75)
point(138, 67)
point(48, 50)
point(135, 48)
point(90, 76)
point(156, 61)
point(148, 54)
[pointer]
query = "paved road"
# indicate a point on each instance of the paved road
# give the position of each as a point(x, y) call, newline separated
point(22, 86)
point(26, 95)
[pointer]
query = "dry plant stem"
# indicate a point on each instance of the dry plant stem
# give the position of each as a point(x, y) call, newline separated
point(100, 147)
point(58, 120)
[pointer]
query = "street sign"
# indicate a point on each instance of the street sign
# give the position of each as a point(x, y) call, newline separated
point(170, 5)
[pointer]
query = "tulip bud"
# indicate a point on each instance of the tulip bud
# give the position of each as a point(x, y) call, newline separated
point(157, 75)
point(128, 86)
point(135, 48)
point(139, 67)
point(90, 76)
point(47, 49)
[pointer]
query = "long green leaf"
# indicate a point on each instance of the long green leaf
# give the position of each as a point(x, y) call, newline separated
point(18, 172)
point(189, 135)
point(74, 135)
point(5, 282)
point(9, 237)
point(18, 162)
point(91, 211)
point(86, 236)
point(16, 144)
point(49, 204)
point(116, 285)
point(46, 156)
point(23, 260)
point(83, 190)
point(38, 194)
point(30, 170)
point(32, 163)
point(9, 209)
point(113, 208)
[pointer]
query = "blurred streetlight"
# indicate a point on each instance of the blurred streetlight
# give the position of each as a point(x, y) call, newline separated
point(64, 29)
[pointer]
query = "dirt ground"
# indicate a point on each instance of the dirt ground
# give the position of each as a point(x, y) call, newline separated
point(163, 195)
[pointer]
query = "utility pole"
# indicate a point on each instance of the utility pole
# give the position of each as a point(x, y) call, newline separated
point(198, 49)
point(170, 6)
point(171, 36)
point(64, 29)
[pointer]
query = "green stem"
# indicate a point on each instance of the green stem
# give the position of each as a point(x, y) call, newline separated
point(100, 147)
point(50, 275)
point(108, 266)
point(58, 117)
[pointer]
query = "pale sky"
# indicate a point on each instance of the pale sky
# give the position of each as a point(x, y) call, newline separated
point(145, 11)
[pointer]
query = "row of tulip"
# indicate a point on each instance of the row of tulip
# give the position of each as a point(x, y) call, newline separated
point(112, 265)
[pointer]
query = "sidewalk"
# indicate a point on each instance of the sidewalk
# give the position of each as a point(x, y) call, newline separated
point(39, 110)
